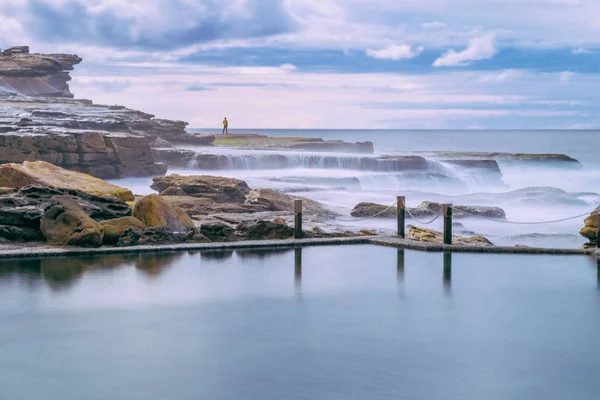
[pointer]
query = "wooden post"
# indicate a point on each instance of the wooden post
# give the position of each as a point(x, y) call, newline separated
point(298, 219)
point(447, 214)
point(401, 214)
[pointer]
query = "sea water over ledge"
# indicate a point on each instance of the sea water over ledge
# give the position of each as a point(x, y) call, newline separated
point(342, 186)
point(358, 322)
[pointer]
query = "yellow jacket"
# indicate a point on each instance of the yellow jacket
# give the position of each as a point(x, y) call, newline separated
point(225, 122)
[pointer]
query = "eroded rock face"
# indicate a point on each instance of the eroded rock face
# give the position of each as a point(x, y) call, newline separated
point(219, 189)
point(41, 173)
point(154, 211)
point(65, 223)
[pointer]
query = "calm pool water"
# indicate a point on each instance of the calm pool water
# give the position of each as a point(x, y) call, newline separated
point(358, 322)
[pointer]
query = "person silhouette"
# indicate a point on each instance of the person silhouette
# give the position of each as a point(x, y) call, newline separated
point(225, 125)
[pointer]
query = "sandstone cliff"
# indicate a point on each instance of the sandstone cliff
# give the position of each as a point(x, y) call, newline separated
point(40, 121)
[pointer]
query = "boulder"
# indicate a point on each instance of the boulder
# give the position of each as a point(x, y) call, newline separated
point(219, 189)
point(368, 210)
point(161, 235)
point(154, 211)
point(130, 237)
point(45, 174)
point(279, 221)
point(264, 230)
point(272, 200)
point(431, 236)
point(65, 223)
point(114, 228)
point(217, 232)
point(196, 237)
point(590, 229)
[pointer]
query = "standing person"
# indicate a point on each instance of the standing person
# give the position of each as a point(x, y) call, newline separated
point(225, 125)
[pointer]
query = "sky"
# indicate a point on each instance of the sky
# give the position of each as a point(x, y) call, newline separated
point(328, 64)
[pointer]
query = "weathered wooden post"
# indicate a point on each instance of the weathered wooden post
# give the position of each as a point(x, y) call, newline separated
point(401, 214)
point(298, 219)
point(447, 214)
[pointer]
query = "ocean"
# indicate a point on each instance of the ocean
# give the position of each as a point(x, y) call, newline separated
point(526, 191)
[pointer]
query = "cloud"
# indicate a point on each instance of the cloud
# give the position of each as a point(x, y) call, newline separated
point(433, 25)
point(580, 50)
point(479, 48)
point(566, 76)
point(196, 87)
point(288, 67)
point(153, 25)
point(395, 52)
point(500, 77)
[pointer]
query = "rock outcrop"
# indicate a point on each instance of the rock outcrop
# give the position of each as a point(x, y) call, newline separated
point(65, 223)
point(262, 142)
point(272, 200)
point(154, 211)
point(41, 173)
point(39, 121)
point(35, 75)
point(426, 209)
point(219, 189)
point(590, 229)
point(431, 236)
point(26, 207)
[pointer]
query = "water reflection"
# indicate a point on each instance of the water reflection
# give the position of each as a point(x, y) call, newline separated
point(298, 271)
point(216, 255)
point(154, 265)
point(260, 254)
point(62, 273)
point(400, 272)
point(448, 273)
point(598, 269)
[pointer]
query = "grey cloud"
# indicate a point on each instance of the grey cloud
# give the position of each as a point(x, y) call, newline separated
point(194, 87)
point(74, 23)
